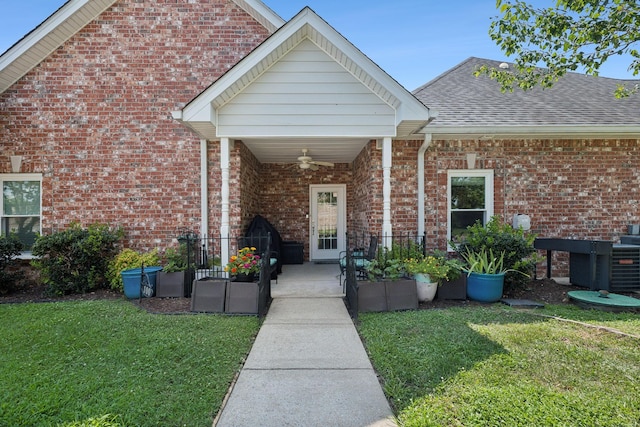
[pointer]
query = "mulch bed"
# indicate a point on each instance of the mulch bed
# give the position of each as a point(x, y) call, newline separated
point(546, 291)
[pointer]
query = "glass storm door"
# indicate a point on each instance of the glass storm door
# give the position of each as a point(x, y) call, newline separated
point(327, 222)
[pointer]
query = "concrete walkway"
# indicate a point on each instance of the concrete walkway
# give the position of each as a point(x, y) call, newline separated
point(307, 367)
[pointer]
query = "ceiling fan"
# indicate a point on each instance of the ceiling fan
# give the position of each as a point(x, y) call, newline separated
point(307, 162)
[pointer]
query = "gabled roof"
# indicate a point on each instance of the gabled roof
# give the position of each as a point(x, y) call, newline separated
point(201, 113)
point(74, 15)
point(577, 105)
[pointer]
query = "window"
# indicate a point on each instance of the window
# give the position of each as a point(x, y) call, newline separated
point(470, 196)
point(21, 206)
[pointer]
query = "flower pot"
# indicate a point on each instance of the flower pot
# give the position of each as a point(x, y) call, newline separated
point(401, 294)
point(131, 280)
point(425, 288)
point(485, 287)
point(245, 277)
point(208, 295)
point(170, 284)
point(453, 289)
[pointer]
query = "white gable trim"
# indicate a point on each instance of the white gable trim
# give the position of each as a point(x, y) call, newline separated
point(261, 13)
point(73, 16)
point(201, 113)
point(47, 37)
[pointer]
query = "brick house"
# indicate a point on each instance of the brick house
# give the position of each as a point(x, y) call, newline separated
point(194, 114)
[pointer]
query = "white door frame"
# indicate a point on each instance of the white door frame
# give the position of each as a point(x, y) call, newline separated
point(316, 254)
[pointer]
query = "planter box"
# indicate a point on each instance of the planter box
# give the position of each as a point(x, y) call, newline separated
point(387, 295)
point(242, 298)
point(170, 284)
point(401, 294)
point(455, 289)
point(208, 296)
point(371, 296)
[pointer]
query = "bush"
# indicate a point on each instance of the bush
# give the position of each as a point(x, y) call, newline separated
point(128, 258)
point(75, 260)
point(519, 253)
point(10, 249)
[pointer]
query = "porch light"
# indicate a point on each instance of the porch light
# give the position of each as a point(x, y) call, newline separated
point(16, 164)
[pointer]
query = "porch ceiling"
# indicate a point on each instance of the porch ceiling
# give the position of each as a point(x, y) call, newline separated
point(334, 150)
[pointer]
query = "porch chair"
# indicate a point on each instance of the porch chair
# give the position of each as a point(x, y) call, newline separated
point(361, 259)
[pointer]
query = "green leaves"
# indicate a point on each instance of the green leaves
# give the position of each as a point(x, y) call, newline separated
point(573, 35)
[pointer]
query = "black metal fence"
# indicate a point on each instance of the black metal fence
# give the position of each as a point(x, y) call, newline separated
point(399, 246)
point(208, 256)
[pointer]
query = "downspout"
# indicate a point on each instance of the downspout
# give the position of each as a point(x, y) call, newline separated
point(204, 190)
point(421, 202)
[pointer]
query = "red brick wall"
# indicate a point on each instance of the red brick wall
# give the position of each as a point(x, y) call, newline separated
point(95, 117)
point(582, 189)
point(284, 196)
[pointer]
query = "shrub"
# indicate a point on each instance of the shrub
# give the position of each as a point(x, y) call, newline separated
point(128, 258)
point(75, 260)
point(519, 253)
point(10, 248)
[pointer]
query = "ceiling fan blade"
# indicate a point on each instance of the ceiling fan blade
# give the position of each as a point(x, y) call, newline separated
point(319, 163)
point(314, 167)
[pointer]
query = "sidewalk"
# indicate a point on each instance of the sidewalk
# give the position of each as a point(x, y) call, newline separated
point(307, 367)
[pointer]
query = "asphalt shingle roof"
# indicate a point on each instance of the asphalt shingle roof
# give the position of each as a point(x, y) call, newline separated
point(464, 100)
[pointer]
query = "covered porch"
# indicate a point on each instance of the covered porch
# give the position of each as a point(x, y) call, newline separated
point(301, 131)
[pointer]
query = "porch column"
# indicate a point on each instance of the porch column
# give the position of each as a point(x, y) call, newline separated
point(204, 190)
point(387, 230)
point(225, 156)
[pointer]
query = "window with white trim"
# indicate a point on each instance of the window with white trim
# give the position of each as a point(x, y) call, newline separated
point(21, 206)
point(470, 199)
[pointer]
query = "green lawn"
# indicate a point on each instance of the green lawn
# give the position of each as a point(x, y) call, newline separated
point(68, 361)
point(495, 366)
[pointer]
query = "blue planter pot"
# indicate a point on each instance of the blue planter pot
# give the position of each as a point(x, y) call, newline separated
point(131, 280)
point(485, 287)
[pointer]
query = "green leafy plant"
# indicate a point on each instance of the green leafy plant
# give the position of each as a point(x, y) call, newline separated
point(485, 262)
point(437, 266)
point(126, 259)
point(10, 249)
point(76, 260)
point(516, 245)
point(175, 259)
point(388, 264)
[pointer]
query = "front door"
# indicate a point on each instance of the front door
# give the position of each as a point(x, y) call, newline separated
point(327, 222)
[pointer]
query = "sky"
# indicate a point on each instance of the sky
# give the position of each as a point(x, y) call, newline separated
point(412, 40)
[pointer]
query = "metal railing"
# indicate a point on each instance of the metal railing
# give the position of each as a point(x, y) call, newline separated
point(207, 257)
point(400, 246)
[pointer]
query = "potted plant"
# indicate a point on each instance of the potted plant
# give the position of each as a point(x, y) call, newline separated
point(242, 293)
point(244, 265)
point(388, 288)
point(170, 281)
point(485, 275)
point(430, 271)
point(125, 271)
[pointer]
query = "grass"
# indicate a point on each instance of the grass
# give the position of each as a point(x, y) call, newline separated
point(494, 366)
point(69, 361)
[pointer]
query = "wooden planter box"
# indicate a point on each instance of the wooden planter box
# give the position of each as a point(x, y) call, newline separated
point(170, 284)
point(208, 296)
point(372, 296)
point(387, 295)
point(455, 290)
point(401, 294)
point(242, 298)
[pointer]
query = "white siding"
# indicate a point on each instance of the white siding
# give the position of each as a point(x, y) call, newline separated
point(306, 93)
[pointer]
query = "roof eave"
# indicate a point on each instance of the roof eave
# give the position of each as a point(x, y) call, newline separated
point(33, 48)
point(546, 131)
